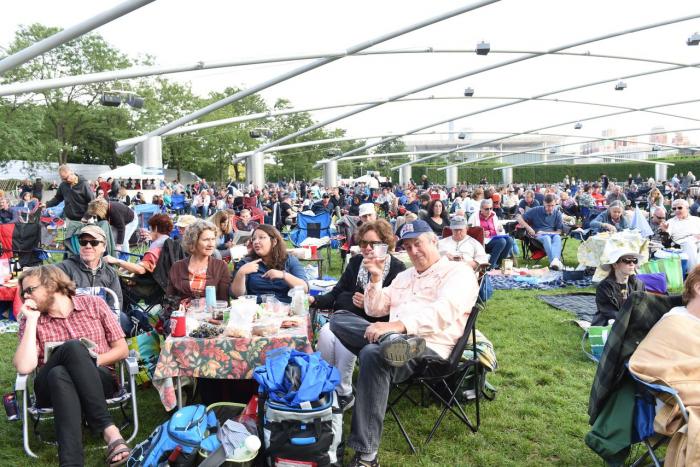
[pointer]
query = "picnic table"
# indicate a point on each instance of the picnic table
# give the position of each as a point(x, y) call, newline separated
point(220, 358)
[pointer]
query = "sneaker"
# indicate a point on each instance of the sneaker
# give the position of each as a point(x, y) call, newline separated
point(358, 462)
point(398, 349)
point(556, 265)
point(346, 402)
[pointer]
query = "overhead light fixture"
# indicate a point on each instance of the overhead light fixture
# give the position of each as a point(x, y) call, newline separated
point(655, 148)
point(621, 85)
point(468, 92)
point(483, 48)
point(552, 151)
point(116, 98)
point(256, 133)
point(462, 135)
point(694, 39)
point(110, 100)
point(578, 126)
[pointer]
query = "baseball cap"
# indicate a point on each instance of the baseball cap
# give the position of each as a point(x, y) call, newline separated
point(458, 222)
point(94, 231)
point(366, 208)
point(414, 229)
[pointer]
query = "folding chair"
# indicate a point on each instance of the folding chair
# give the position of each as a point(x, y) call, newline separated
point(177, 203)
point(646, 395)
point(444, 379)
point(126, 392)
point(315, 226)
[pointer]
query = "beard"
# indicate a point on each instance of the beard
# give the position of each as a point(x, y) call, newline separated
point(45, 305)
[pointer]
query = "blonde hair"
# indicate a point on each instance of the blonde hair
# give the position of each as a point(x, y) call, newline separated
point(98, 208)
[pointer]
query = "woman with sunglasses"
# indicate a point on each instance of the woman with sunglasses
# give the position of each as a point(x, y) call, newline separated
point(348, 294)
point(684, 230)
point(615, 289)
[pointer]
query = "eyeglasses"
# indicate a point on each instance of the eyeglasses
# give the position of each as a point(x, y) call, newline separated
point(486, 209)
point(30, 290)
point(677, 208)
point(366, 243)
point(628, 260)
point(659, 218)
point(93, 243)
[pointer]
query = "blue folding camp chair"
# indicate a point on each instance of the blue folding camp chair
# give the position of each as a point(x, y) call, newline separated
point(177, 203)
point(314, 226)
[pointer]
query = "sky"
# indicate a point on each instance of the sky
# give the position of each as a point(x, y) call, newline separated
point(185, 32)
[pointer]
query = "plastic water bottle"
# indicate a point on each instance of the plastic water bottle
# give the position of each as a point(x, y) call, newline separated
point(300, 303)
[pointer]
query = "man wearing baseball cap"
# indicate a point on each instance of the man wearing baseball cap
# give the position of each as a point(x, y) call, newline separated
point(461, 247)
point(367, 212)
point(428, 306)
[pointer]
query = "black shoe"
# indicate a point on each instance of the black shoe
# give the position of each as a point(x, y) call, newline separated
point(398, 349)
point(345, 402)
point(357, 462)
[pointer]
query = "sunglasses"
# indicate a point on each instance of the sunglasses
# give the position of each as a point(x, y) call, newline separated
point(486, 209)
point(677, 208)
point(93, 243)
point(629, 260)
point(30, 290)
point(366, 243)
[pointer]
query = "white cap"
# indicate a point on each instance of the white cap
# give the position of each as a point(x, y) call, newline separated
point(367, 208)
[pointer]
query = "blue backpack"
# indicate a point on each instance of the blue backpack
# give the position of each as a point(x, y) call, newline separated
point(187, 428)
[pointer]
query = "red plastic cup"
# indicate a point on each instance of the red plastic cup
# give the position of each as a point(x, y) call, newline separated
point(314, 251)
point(179, 327)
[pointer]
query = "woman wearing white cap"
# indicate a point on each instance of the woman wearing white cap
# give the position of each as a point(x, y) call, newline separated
point(614, 290)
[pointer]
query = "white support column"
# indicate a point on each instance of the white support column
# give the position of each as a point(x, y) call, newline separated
point(255, 169)
point(330, 173)
point(660, 172)
point(406, 172)
point(149, 154)
point(507, 175)
point(451, 174)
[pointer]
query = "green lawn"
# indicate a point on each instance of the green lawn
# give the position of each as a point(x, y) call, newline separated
point(538, 418)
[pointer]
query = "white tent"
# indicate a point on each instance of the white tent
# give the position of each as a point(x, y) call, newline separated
point(133, 171)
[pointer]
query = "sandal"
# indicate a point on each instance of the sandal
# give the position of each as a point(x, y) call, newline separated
point(114, 450)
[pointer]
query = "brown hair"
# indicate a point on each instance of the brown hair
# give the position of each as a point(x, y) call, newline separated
point(278, 253)
point(689, 285)
point(161, 223)
point(51, 277)
point(383, 230)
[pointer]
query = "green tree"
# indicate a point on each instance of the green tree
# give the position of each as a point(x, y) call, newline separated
point(68, 119)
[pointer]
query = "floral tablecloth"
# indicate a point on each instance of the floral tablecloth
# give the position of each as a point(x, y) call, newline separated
point(595, 251)
point(222, 358)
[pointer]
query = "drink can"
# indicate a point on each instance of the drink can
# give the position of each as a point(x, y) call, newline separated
point(11, 409)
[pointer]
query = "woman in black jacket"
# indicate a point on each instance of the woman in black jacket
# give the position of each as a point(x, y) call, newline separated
point(614, 290)
point(348, 294)
point(121, 217)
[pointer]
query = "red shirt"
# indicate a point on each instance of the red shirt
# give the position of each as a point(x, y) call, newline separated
point(90, 318)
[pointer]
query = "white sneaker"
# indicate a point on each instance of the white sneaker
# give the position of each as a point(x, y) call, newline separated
point(556, 265)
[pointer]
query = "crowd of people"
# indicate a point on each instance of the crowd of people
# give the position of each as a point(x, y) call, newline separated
point(387, 314)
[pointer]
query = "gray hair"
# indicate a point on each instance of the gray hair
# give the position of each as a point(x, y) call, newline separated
point(681, 202)
point(486, 201)
point(616, 204)
point(191, 235)
point(659, 209)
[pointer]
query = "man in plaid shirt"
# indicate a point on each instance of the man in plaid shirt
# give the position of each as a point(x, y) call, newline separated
point(74, 380)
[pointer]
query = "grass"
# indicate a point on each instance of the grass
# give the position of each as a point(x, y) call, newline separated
point(539, 416)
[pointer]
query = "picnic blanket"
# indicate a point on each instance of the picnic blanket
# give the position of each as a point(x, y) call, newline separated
point(551, 281)
point(581, 304)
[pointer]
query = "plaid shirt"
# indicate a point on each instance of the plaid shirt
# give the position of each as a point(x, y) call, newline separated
point(637, 316)
point(90, 318)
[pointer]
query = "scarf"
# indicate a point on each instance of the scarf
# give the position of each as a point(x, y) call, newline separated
point(363, 275)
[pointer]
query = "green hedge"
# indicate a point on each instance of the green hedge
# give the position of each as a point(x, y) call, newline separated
point(556, 173)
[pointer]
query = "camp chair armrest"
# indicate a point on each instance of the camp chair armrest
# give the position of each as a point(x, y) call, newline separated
point(21, 382)
point(132, 365)
point(660, 388)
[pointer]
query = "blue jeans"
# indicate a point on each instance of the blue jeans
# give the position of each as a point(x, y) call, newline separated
point(499, 249)
point(551, 244)
point(373, 382)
